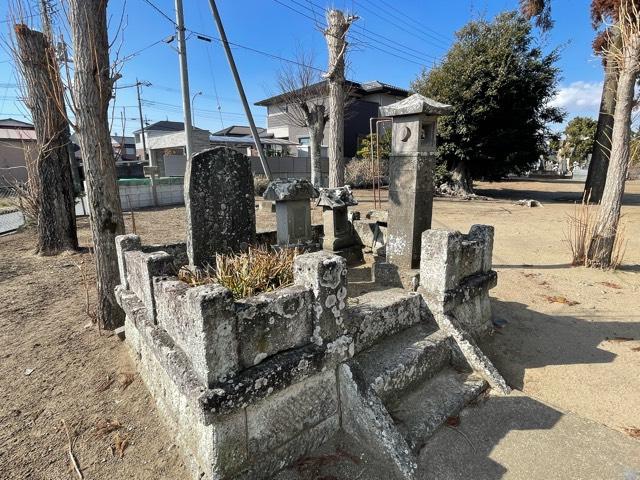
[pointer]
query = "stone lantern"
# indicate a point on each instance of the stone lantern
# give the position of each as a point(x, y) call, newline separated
point(339, 236)
point(293, 212)
point(411, 166)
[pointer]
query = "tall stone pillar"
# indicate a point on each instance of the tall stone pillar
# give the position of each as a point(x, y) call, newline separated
point(411, 176)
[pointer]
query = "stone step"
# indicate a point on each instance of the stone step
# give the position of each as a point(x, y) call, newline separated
point(397, 363)
point(428, 405)
point(377, 315)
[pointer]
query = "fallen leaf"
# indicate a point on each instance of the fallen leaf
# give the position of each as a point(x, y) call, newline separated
point(453, 421)
point(120, 443)
point(620, 339)
point(544, 283)
point(560, 299)
point(635, 349)
point(611, 285)
point(105, 384)
point(633, 432)
point(28, 371)
point(125, 379)
point(106, 425)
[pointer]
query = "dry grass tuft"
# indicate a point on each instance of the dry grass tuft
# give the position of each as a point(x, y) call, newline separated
point(255, 271)
point(580, 233)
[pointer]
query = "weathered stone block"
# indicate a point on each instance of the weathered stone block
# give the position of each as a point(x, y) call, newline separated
point(140, 269)
point(326, 276)
point(125, 243)
point(483, 234)
point(202, 321)
point(278, 419)
point(267, 464)
point(273, 322)
point(219, 204)
point(381, 315)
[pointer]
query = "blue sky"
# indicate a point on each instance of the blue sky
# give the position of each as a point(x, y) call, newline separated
point(411, 34)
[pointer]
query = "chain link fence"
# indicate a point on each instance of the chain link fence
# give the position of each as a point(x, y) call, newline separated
point(11, 218)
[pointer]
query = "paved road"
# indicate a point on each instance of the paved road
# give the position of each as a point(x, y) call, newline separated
point(10, 221)
point(13, 220)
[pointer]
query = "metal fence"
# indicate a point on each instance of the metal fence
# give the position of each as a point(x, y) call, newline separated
point(11, 218)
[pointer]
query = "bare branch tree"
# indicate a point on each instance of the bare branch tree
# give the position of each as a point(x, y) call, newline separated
point(92, 90)
point(35, 56)
point(303, 95)
point(336, 36)
point(626, 56)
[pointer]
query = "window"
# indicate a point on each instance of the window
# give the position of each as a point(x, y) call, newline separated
point(304, 140)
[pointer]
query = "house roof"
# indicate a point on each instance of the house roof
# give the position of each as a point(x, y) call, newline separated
point(165, 126)
point(237, 131)
point(357, 89)
point(13, 123)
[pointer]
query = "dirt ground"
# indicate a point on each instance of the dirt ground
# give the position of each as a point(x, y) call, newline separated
point(56, 369)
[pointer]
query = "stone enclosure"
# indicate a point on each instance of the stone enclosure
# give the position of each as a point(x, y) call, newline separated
point(250, 385)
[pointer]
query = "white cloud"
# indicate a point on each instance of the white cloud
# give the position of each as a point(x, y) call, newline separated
point(579, 98)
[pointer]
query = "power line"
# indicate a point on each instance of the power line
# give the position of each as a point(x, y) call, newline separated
point(438, 35)
point(237, 45)
point(427, 37)
point(378, 37)
point(355, 34)
point(157, 9)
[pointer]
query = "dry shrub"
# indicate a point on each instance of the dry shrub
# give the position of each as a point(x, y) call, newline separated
point(27, 193)
point(260, 183)
point(255, 271)
point(358, 172)
point(580, 232)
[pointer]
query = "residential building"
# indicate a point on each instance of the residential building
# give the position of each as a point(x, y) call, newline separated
point(364, 101)
point(17, 143)
point(162, 129)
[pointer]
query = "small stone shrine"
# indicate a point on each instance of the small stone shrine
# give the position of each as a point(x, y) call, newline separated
point(293, 211)
point(339, 235)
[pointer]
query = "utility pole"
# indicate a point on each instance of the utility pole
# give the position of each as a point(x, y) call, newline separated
point(243, 97)
point(73, 161)
point(144, 141)
point(184, 79)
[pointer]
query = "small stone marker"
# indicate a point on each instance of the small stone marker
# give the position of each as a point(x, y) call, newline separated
point(411, 176)
point(339, 236)
point(293, 212)
point(219, 201)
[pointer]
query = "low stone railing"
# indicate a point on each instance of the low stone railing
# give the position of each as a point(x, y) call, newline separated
point(456, 275)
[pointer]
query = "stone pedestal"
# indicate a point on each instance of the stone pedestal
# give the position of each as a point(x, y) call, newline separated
point(219, 201)
point(339, 235)
point(293, 211)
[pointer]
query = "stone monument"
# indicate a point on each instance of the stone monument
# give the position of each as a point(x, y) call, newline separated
point(411, 176)
point(219, 203)
point(293, 212)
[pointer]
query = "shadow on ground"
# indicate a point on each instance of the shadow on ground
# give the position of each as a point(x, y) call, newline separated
point(531, 339)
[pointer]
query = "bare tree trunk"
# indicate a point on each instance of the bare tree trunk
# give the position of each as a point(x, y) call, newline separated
point(597, 175)
point(56, 220)
point(316, 124)
point(335, 35)
point(603, 241)
point(91, 94)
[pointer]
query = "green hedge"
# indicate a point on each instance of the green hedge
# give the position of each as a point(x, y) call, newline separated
point(131, 182)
